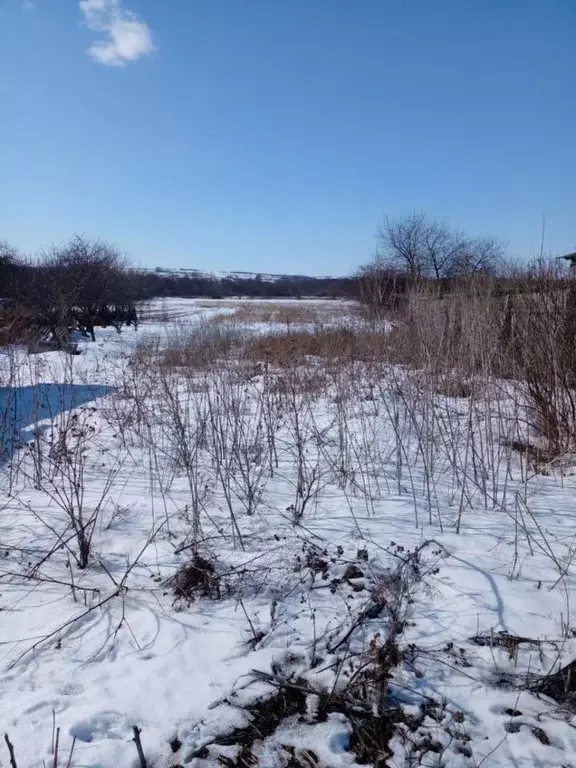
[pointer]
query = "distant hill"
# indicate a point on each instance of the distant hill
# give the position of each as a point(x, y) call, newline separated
point(266, 277)
point(165, 281)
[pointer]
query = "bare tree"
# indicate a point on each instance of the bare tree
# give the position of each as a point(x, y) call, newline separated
point(442, 249)
point(9, 266)
point(424, 248)
point(121, 298)
point(81, 284)
point(479, 256)
point(92, 274)
point(402, 244)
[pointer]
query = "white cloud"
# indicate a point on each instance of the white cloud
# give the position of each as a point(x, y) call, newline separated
point(127, 38)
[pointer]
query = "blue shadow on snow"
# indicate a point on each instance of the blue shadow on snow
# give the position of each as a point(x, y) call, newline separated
point(22, 408)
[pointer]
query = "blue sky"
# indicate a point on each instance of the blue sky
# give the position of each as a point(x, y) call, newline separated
point(269, 135)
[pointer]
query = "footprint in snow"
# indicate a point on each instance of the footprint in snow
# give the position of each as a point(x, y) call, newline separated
point(102, 725)
point(71, 689)
point(46, 704)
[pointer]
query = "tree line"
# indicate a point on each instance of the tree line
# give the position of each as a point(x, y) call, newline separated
point(417, 251)
point(152, 285)
point(80, 285)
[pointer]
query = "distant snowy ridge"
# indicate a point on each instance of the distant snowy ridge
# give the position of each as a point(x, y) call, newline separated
point(222, 275)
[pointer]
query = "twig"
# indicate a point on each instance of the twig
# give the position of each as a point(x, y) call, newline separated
point(11, 751)
point(137, 741)
point(64, 626)
point(69, 763)
point(48, 580)
point(56, 747)
point(255, 635)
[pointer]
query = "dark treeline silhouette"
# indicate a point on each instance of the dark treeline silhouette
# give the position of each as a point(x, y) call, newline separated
point(77, 286)
point(152, 284)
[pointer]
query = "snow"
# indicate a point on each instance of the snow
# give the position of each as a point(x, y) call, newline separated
point(99, 650)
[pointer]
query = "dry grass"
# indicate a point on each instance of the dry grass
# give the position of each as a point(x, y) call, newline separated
point(289, 314)
point(17, 326)
point(305, 338)
point(198, 348)
point(329, 344)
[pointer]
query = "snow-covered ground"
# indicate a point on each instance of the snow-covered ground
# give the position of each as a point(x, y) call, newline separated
point(330, 516)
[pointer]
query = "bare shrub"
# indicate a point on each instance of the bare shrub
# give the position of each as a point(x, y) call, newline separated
point(237, 443)
point(181, 412)
point(199, 347)
point(61, 463)
point(381, 288)
point(542, 345)
point(197, 578)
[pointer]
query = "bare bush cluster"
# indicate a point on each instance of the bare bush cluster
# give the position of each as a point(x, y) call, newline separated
point(516, 337)
point(81, 285)
point(433, 381)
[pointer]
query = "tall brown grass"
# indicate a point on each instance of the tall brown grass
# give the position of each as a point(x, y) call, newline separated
point(522, 331)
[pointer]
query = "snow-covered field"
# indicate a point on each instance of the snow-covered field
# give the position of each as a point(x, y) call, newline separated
point(295, 567)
